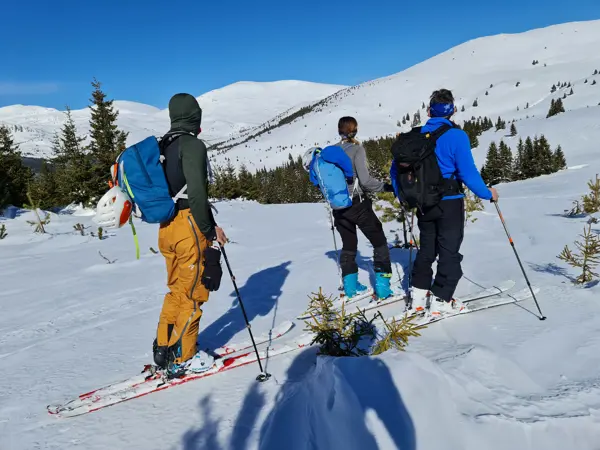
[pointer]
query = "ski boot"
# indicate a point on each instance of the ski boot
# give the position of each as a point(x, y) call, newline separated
point(201, 362)
point(382, 285)
point(440, 307)
point(161, 355)
point(419, 299)
point(352, 286)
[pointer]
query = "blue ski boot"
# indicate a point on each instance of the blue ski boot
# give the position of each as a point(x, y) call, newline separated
point(382, 285)
point(352, 286)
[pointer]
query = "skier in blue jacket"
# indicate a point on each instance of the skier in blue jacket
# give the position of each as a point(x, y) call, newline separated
point(442, 226)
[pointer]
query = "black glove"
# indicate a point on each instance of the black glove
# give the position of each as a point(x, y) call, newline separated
point(387, 187)
point(211, 276)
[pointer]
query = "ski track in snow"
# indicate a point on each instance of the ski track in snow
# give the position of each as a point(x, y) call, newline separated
point(497, 379)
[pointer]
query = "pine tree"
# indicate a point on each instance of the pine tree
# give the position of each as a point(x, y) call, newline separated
point(594, 82)
point(559, 161)
point(492, 169)
point(416, 119)
point(505, 162)
point(588, 257)
point(553, 89)
point(571, 92)
point(591, 201)
point(475, 103)
point(513, 130)
point(556, 107)
point(487, 93)
point(518, 162)
point(596, 72)
point(543, 156)
point(107, 141)
point(14, 175)
point(337, 332)
point(43, 187)
point(529, 167)
point(463, 108)
point(72, 166)
point(500, 124)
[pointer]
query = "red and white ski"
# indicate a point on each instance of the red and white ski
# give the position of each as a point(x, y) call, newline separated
point(226, 355)
point(152, 380)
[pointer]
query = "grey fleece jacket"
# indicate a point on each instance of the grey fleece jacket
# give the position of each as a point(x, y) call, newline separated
point(366, 183)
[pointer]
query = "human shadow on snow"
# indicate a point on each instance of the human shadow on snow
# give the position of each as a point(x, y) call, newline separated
point(305, 406)
point(260, 294)
point(314, 408)
point(205, 436)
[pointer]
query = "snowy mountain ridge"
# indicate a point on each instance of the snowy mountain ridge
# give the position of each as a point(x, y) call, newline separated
point(509, 75)
point(227, 110)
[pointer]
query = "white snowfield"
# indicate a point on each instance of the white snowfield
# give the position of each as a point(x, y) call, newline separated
point(225, 111)
point(497, 379)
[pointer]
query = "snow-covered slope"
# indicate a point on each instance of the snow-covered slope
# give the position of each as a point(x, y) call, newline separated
point(243, 105)
point(496, 64)
point(498, 379)
point(227, 110)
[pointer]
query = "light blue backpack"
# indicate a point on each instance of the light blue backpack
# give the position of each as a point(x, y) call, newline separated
point(331, 170)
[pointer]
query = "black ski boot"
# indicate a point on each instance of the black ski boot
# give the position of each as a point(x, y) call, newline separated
point(161, 355)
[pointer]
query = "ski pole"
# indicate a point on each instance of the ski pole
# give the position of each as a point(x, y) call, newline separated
point(263, 376)
point(404, 228)
point(512, 244)
point(410, 250)
point(341, 286)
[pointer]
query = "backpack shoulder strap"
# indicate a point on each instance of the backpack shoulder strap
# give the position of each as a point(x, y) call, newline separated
point(163, 143)
point(169, 138)
point(432, 138)
point(435, 135)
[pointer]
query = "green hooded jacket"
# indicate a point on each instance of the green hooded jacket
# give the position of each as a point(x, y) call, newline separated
point(186, 115)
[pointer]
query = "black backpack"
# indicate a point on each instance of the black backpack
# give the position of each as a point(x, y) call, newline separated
point(418, 175)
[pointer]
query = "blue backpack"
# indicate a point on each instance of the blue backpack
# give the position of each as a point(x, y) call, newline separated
point(140, 172)
point(331, 170)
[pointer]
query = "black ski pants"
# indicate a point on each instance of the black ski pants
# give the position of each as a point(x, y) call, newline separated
point(361, 215)
point(441, 234)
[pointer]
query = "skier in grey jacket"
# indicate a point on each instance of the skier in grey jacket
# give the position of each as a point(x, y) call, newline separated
point(361, 215)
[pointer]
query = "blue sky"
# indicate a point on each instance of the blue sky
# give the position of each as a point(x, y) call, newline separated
point(146, 51)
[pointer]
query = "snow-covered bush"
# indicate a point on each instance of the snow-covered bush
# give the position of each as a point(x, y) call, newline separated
point(340, 333)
